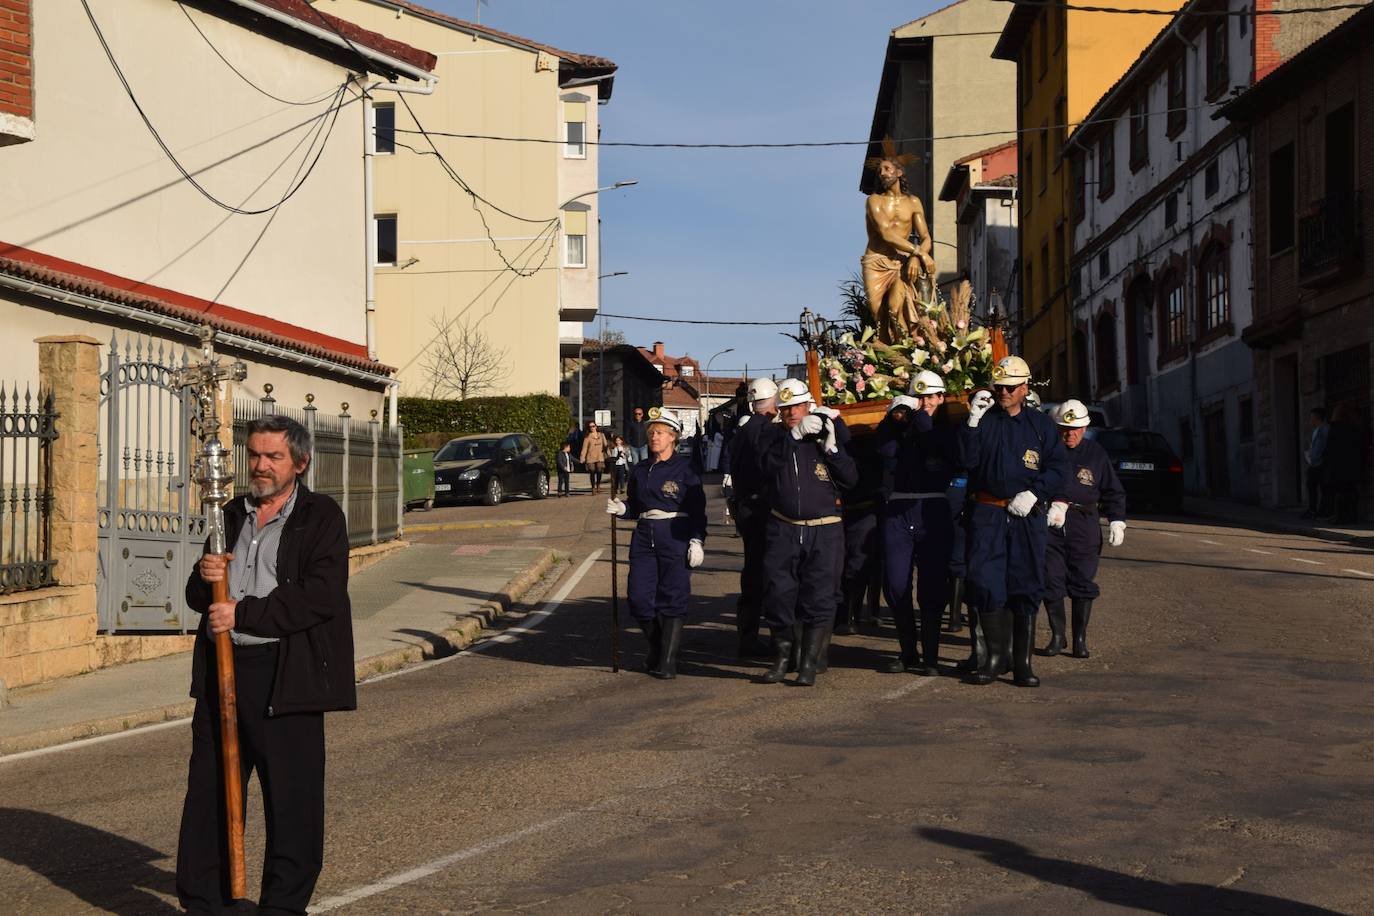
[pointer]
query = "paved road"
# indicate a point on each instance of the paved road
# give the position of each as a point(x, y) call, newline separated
point(1216, 754)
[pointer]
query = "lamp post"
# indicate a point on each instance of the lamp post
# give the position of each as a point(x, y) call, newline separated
point(706, 387)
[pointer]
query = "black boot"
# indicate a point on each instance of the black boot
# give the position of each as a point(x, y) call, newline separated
point(747, 624)
point(670, 639)
point(851, 608)
point(794, 659)
point(782, 651)
point(653, 631)
point(977, 645)
point(1082, 610)
point(1054, 610)
point(930, 641)
point(823, 655)
point(1023, 628)
point(996, 624)
point(812, 644)
point(956, 604)
point(910, 657)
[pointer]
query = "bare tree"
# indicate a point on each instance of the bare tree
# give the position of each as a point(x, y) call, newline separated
point(461, 361)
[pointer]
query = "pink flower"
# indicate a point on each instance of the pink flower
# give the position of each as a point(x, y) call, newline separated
point(860, 385)
point(961, 324)
point(834, 373)
point(949, 364)
point(920, 341)
point(869, 369)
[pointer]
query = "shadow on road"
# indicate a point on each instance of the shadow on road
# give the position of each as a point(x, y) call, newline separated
point(1236, 569)
point(1119, 888)
point(110, 872)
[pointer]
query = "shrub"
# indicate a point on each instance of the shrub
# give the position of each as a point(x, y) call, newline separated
point(429, 423)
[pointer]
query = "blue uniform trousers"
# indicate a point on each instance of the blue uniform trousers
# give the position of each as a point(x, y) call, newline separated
point(861, 549)
point(1071, 557)
point(1006, 560)
point(660, 581)
point(804, 564)
point(958, 552)
point(917, 534)
point(751, 521)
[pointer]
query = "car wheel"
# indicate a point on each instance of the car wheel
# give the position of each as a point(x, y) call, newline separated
point(541, 486)
point(494, 492)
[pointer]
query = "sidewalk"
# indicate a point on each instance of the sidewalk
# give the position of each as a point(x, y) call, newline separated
point(422, 602)
point(1286, 520)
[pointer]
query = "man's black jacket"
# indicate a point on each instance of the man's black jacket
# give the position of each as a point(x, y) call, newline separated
point(308, 611)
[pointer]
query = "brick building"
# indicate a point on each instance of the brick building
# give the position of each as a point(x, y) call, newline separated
point(1311, 128)
point(16, 71)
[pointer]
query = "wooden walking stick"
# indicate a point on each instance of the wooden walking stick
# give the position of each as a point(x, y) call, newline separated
point(615, 600)
point(215, 477)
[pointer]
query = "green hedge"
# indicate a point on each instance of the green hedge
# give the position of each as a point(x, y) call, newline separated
point(430, 423)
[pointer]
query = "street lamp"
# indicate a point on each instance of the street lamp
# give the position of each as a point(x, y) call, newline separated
point(601, 342)
point(706, 387)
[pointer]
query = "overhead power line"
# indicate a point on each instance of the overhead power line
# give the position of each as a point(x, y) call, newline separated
point(1248, 13)
point(771, 324)
point(239, 73)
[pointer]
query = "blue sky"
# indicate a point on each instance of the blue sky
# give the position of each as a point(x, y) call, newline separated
point(752, 235)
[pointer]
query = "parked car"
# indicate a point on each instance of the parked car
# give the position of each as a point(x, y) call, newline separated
point(490, 467)
point(1149, 470)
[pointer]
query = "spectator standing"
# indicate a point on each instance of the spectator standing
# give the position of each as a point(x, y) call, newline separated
point(565, 469)
point(619, 458)
point(637, 438)
point(1318, 490)
point(593, 455)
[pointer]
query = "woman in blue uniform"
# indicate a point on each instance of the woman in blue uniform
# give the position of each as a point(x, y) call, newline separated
point(665, 496)
point(1075, 540)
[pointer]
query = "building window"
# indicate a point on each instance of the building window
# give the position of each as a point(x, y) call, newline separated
point(1061, 120)
point(1170, 210)
point(1172, 318)
point(1211, 179)
point(384, 127)
point(1104, 344)
point(1079, 187)
point(1042, 31)
point(1281, 209)
point(1104, 264)
point(1025, 77)
point(386, 239)
point(1216, 288)
point(574, 130)
point(1029, 288)
point(1247, 419)
point(1061, 17)
point(1106, 163)
point(1044, 157)
point(1178, 96)
point(1028, 199)
point(574, 238)
point(1045, 275)
point(686, 370)
point(1140, 132)
point(1218, 75)
point(1076, 284)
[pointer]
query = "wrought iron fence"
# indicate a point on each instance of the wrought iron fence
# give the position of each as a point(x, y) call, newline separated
point(358, 465)
point(27, 430)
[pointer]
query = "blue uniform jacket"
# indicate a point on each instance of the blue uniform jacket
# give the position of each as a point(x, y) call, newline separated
point(669, 485)
point(1093, 480)
point(802, 481)
point(1006, 455)
point(919, 456)
point(746, 472)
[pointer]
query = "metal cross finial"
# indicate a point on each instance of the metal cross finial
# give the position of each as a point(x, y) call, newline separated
point(213, 470)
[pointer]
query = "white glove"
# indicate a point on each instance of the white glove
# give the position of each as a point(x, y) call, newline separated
point(1022, 503)
point(981, 404)
point(1116, 534)
point(824, 411)
point(745, 418)
point(615, 507)
point(810, 425)
point(1057, 514)
point(695, 553)
point(726, 481)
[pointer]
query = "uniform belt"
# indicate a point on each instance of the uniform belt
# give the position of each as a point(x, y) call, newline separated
point(859, 507)
point(988, 499)
point(1084, 508)
point(896, 496)
point(656, 514)
point(808, 522)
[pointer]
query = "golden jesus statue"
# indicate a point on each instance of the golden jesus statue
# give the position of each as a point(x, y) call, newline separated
point(892, 264)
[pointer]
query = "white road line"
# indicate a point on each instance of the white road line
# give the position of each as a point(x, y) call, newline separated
point(1213, 543)
point(1167, 534)
point(915, 685)
point(1267, 553)
point(507, 636)
point(1359, 572)
point(1307, 561)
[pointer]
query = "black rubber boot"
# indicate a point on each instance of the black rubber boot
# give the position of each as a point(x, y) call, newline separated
point(910, 657)
point(977, 645)
point(997, 632)
point(930, 641)
point(851, 608)
point(956, 605)
point(747, 624)
point(794, 659)
point(1082, 610)
point(812, 644)
point(653, 633)
point(1054, 610)
point(670, 629)
point(782, 651)
point(823, 656)
point(1023, 639)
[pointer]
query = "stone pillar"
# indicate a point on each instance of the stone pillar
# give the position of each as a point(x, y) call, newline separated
point(69, 367)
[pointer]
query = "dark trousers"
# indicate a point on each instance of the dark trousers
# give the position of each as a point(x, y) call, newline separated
point(861, 552)
point(1318, 492)
point(564, 483)
point(288, 754)
point(660, 582)
point(1071, 557)
point(1006, 559)
point(917, 535)
point(803, 569)
point(751, 521)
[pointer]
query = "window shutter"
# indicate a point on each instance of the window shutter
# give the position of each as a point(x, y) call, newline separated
point(575, 222)
point(575, 111)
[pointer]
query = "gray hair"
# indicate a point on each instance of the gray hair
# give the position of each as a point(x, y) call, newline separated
point(297, 436)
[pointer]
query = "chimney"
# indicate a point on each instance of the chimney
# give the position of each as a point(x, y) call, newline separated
point(16, 72)
point(658, 350)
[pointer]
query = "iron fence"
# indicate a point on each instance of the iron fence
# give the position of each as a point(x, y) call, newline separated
point(358, 465)
point(27, 431)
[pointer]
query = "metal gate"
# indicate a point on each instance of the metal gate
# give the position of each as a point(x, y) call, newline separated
point(150, 523)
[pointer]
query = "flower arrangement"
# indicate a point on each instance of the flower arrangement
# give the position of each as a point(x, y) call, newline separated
point(865, 369)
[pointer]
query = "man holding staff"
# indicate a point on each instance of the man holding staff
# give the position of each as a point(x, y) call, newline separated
point(290, 620)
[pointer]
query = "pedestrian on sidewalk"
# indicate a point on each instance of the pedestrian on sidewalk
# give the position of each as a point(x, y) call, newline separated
point(636, 437)
point(593, 456)
point(564, 462)
point(1318, 492)
point(619, 457)
point(291, 624)
point(1343, 465)
point(667, 501)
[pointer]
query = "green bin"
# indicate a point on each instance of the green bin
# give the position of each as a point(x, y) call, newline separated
point(418, 478)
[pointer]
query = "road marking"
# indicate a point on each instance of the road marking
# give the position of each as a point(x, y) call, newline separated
point(1213, 543)
point(1307, 561)
point(470, 526)
point(87, 742)
point(915, 685)
point(1267, 553)
point(1359, 573)
point(1167, 534)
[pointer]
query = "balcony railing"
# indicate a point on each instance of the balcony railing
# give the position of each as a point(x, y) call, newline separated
point(1330, 240)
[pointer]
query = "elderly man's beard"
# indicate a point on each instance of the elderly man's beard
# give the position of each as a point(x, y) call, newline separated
point(264, 487)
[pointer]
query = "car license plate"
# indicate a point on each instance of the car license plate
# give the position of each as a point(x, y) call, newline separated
point(1137, 466)
point(442, 487)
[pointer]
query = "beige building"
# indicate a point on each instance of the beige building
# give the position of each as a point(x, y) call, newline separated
point(492, 287)
point(942, 97)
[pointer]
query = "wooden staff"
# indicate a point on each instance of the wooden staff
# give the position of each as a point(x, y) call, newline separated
point(615, 600)
point(229, 748)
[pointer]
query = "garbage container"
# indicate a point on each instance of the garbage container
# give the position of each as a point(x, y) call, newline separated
point(418, 476)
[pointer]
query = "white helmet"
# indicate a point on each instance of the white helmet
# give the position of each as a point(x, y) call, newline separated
point(792, 391)
point(1033, 399)
point(927, 382)
point(1011, 370)
point(659, 415)
point(1073, 414)
point(903, 400)
point(761, 389)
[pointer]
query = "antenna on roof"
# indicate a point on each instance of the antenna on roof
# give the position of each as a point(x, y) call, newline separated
point(479, 4)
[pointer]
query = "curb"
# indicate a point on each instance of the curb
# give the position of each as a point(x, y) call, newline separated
point(471, 526)
point(455, 639)
point(1279, 526)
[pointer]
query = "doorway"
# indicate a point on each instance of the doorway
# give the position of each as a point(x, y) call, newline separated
point(1214, 452)
point(1288, 433)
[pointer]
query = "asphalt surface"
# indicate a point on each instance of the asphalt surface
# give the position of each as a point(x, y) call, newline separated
point(1216, 754)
